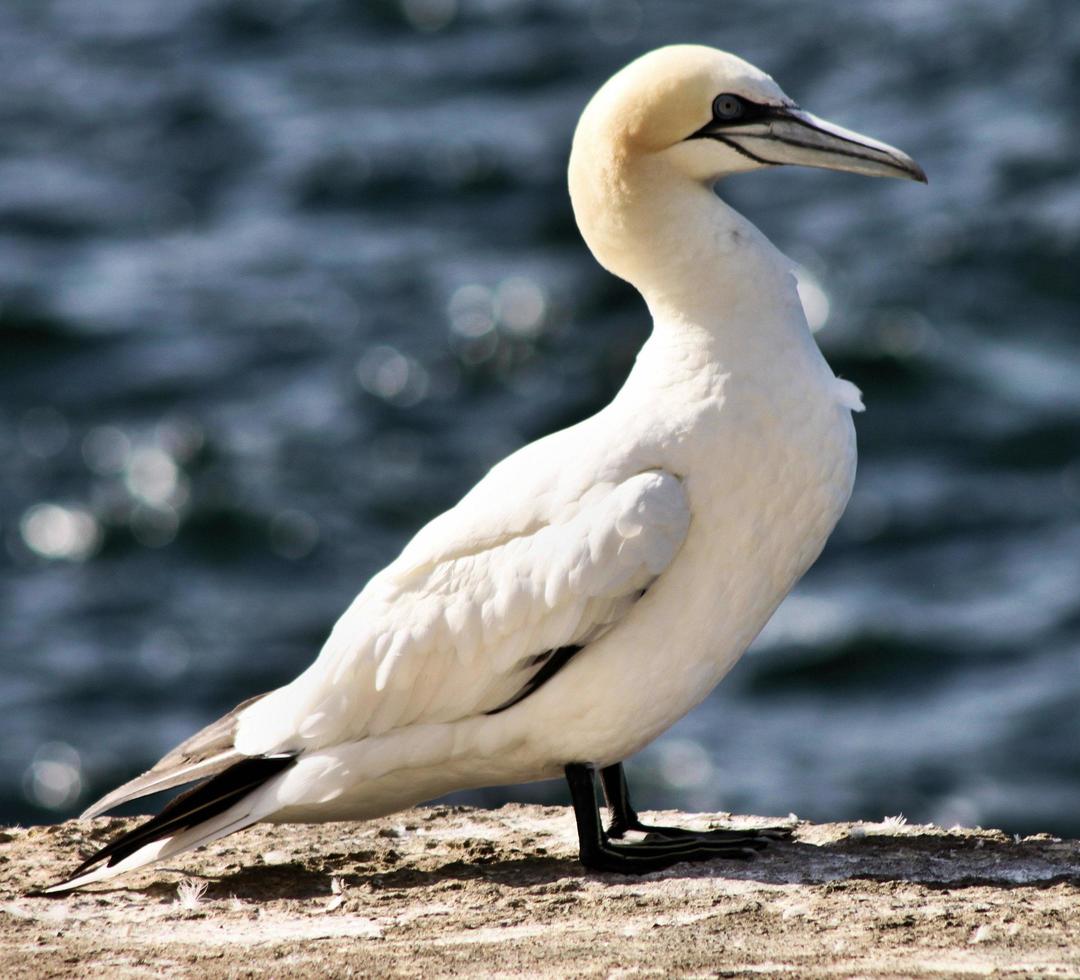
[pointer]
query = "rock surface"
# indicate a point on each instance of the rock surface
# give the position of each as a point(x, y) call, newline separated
point(458, 891)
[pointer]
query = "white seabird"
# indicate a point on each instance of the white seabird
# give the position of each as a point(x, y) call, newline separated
point(598, 583)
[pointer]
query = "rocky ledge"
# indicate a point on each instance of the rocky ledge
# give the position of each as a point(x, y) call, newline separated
point(458, 891)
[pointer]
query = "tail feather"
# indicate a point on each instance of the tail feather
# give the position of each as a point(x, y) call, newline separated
point(208, 752)
point(205, 812)
point(158, 850)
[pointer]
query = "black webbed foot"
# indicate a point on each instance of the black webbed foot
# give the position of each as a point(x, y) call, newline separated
point(624, 819)
point(661, 847)
point(762, 838)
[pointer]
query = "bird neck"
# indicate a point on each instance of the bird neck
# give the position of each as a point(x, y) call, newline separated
point(710, 270)
point(711, 280)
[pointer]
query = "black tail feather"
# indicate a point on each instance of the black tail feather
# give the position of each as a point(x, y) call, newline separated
point(201, 802)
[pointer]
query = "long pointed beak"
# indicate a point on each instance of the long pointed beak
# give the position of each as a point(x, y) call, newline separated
point(787, 135)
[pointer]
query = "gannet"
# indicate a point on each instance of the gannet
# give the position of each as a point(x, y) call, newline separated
point(597, 584)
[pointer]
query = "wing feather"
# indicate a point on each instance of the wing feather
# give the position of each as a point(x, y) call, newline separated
point(459, 635)
point(208, 752)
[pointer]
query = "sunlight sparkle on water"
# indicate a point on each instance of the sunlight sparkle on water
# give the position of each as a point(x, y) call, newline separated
point(57, 532)
point(521, 306)
point(471, 310)
point(153, 477)
point(54, 777)
point(392, 376)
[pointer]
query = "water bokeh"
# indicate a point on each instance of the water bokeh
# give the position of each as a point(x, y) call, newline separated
point(280, 279)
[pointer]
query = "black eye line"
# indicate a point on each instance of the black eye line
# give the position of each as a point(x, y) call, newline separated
point(752, 112)
point(742, 150)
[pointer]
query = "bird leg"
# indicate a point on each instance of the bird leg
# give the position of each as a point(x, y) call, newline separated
point(623, 817)
point(598, 852)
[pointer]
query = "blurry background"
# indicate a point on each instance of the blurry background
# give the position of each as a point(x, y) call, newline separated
point(280, 279)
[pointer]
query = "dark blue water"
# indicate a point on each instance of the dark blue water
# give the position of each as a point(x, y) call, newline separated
point(280, 279)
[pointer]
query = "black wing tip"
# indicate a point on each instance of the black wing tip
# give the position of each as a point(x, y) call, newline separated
point(58, 889)
point(106, 856)
point(202, 802)
point(210, 751)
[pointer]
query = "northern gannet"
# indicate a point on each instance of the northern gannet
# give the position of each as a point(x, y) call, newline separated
point(597, 584)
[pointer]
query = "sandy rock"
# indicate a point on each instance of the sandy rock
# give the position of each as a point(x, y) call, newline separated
point(459, 891)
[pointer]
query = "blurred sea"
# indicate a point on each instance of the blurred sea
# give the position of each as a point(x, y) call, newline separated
point(280, 279)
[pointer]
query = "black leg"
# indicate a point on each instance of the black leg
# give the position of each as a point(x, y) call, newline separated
point(599, 853)
point(623, 817)
point(621, 814)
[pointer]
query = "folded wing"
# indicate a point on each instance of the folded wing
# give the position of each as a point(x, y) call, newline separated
point(461, 625)
point(468, 632)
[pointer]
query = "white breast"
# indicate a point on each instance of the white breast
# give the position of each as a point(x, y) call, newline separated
point(767, 479)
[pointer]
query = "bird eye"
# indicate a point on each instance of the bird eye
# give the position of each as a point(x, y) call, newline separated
point(728, 106)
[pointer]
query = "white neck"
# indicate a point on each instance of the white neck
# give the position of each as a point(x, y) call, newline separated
point(706, 273)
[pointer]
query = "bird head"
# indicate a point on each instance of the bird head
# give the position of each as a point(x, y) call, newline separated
point(722, 115)
point(693, 114)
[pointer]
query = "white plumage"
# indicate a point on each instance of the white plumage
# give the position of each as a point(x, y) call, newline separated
point(446, 632)
point(598, 583)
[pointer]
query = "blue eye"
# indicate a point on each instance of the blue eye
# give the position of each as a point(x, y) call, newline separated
point(728, 106)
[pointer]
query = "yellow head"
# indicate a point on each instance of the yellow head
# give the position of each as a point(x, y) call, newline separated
point(689, 114)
